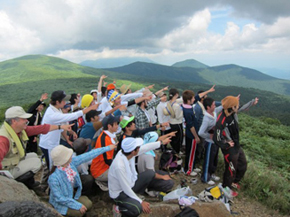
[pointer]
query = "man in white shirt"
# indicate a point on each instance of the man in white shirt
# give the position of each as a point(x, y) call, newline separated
point(124, 182)
point(161, 117)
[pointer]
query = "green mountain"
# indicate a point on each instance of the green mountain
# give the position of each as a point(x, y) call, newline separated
point(190, 63)
point(24, 79)
point(227, 75)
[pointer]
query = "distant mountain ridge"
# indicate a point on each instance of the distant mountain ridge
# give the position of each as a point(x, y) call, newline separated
point(190, 63)
point(114, 62)
point(227, 75)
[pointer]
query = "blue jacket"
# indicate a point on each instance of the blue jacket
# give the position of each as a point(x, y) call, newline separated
point(61, 190)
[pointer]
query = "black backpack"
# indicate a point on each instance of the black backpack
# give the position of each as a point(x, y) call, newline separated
point(187, 212)
point(168, 161)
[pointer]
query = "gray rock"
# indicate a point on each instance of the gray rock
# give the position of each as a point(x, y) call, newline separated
point(25, 209)
point(12, 190)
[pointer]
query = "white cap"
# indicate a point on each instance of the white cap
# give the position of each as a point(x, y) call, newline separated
point(60, 155)
point(130, 143)
point(16, 112)
point(94, 91)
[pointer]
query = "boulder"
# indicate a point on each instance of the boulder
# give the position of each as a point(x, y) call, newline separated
point(26, 209)
point(12, 190)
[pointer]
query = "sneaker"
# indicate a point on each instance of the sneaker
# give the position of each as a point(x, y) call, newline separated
point(210, 182)
point(102, 186)
point(197, 170)
point(191, 174)
point(152, 193)
point(236, 185)
point(215, 178)
point(116, 211)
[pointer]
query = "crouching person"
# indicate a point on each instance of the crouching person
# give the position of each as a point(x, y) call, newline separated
point(125, 183)
point(64, 179)
point(162, 181)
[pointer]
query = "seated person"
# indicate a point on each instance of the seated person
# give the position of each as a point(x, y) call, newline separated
point(125, 183)
point(65, 178)
point(162, 181)
point(14, 135)
point(80, 146)
point(88, 131)
point(101, 164)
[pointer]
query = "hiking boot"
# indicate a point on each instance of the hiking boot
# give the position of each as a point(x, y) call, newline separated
point(236, 185)
point(102, 186)
point(116, 211)
point(215, 178)
point(197, 170)
point(210, 182)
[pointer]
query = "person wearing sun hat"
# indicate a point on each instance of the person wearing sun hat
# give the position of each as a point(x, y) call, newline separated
point(226, 136)
point(162, 181)
point(64, 175)
point(14, 135)
point(125, 183)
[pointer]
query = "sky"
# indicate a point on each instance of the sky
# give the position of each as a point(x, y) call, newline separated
point(249, 33)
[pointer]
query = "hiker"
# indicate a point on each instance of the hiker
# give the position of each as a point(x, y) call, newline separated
point(88, 131)
point(175, 120)
point(65, 178)
point(34, 120)
point(13, 138)
point(54, 115)
point(211, 149)
point(191, 137)
point(162, 181)
point(226, 136)
point(142, 118)
point(129, 129)
point(125, 183)
point(161, 117)
point(81, 146)
point(101, 164)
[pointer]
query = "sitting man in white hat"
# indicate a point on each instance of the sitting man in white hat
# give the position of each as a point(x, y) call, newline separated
point(14, 135)
point(123, 180)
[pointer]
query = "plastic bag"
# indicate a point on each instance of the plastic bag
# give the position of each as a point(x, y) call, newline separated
point(187, 201)
point(176, 194)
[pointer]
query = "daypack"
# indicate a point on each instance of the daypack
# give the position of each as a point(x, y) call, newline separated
point(169, 161)
point(187, 212)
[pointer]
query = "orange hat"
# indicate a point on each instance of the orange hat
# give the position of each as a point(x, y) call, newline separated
point(111, 87)
point(229, 102)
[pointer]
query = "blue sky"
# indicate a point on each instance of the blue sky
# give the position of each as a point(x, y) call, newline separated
point(250, 33)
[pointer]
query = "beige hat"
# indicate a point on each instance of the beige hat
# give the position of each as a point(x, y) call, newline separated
point(60, 155)
point(147, 92)
point(16, 112)
point(124, 88)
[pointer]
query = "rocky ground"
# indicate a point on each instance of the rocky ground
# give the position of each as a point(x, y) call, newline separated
point(241, 206)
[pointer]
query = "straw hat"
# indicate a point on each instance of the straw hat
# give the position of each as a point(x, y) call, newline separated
point(124, 88)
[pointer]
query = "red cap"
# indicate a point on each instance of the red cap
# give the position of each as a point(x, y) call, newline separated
point(111, 87)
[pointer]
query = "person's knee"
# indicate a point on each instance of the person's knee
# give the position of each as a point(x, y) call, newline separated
point(133, 211)
point(86, 202)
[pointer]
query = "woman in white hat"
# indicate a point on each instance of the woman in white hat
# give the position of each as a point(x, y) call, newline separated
point(64, 179)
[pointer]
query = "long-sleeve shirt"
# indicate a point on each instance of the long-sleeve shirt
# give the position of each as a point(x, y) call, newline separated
point(208, 124)
point(141, 119)
point(55, 117)
point(122, 173)
point(30, 131)
point(61, 190)
point(161, 117)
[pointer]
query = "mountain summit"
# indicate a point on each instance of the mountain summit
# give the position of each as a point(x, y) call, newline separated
point(190, 63)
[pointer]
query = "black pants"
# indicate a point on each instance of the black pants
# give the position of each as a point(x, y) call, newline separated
point(160, 184)
point(176, 141)
point(239, 163)
point(129, 206)
point(210, 161)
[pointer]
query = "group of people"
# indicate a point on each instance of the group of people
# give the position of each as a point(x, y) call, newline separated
point(108, 138)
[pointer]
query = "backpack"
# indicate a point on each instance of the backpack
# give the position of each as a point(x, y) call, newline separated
point(187, 212)
point(169, 161)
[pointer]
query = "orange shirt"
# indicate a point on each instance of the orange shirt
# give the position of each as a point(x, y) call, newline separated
point(102, 163)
